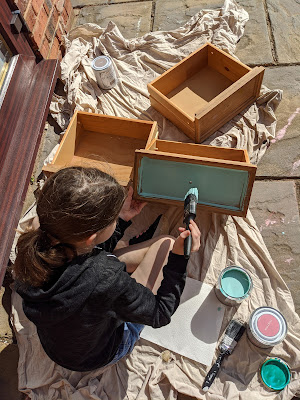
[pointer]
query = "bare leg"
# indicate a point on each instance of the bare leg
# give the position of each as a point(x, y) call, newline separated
point(147, 259)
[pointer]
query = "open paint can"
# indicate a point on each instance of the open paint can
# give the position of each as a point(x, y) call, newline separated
point(104, 72)
point(275, 373)
point(233, 286)
point(267, 327)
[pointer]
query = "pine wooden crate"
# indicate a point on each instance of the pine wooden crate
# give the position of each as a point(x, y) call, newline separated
point(204, 91)
point(104, 142)
point(167, 170)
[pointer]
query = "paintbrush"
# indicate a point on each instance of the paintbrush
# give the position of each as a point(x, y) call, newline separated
point(189, 213)
point(233, 333)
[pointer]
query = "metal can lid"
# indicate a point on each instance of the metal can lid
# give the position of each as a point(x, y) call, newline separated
point(275, 373)
point(100, 63)
point(268, 325)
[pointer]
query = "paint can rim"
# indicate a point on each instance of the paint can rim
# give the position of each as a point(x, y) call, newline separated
point(282, 365)
point(242, 270)
point(258, 335)
point(105, 66)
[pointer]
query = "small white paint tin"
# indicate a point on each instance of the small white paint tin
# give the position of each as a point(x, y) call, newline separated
point(233, 286)
point(104, 72)
point(267, 327)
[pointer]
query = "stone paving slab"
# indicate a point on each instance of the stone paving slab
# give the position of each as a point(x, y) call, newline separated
point(5, 330)
point(83, 3)
point(253, 48)
point(133, 19)
point(285, 23)
point(275, 210)
point(8, 372)
point(282, 159)
point(167, 17)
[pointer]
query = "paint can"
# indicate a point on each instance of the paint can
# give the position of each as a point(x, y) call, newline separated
point(104, 72)
point(233, 286)
point(267, 327)
point(275, 373)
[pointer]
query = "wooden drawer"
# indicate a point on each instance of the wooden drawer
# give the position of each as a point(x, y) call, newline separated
point(165, 171)
point(104, 142)
point(204, 91)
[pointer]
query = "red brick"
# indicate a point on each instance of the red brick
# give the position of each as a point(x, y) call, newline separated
point(65, 17)
point(22, 5)
point(30, 17)
point(69, 24)
point(48, 6)
point(68, 7)
point(59, 32)
point(54, 49)
point(59, 6)
point(50, 32)
point(54, 17)
point(44, 48)
point(39, 28)
point(37, 5)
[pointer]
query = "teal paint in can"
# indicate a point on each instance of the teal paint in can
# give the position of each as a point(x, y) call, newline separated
point(275, 374)
point(233, 286)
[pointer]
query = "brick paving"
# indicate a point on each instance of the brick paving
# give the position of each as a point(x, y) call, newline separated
point(271, 39)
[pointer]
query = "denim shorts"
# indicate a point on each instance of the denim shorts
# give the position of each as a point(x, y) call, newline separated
point(130, 336)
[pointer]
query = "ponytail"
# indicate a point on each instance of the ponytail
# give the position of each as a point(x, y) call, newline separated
point(37, 257)
point(73, 204)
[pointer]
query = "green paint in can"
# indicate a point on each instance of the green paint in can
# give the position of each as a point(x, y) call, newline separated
point(275, 373)
point(233, 286)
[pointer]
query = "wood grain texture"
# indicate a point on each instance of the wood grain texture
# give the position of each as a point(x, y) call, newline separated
point(105, 142)
point(17, 43)
point(232, 159)
point(22, 119)
point(228, 104)
point(169, 111)
point(112, 125)
point(200, 150)
point(204, 91)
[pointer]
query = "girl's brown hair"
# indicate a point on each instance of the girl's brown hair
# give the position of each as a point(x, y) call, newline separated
point(73, 204)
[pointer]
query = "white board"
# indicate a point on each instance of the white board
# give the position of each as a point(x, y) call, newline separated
point(195, 326)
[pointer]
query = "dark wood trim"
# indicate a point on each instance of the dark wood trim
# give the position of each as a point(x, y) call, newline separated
point(22, 119)
point(18, 43)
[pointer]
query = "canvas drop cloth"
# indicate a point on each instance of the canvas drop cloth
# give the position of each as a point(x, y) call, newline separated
point(152, 372)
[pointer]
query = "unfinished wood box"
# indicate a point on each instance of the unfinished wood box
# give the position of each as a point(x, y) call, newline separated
point(104, 142)
point(165, 171)
point(204, 91)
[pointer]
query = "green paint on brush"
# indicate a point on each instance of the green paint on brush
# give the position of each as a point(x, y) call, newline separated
point(218, 187)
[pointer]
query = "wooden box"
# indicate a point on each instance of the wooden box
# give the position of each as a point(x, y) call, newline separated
point(104, 142)
point(167, 170)
point(204, 91)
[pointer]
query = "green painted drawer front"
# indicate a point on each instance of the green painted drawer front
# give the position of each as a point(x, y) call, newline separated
point(217, 186)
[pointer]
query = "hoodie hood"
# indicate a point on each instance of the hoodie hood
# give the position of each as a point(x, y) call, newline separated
point(65, 293)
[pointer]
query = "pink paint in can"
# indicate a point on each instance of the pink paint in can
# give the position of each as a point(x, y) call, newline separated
point(267, 327)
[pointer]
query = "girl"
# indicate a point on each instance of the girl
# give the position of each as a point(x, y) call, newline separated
point(87, 308)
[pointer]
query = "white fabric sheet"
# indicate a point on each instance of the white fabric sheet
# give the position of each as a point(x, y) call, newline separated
point(148, 373)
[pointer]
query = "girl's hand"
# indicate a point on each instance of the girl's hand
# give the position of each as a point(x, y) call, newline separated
point(178, 247)
point(131, 207)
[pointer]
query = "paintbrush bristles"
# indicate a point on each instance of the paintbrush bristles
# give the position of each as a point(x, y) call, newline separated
point(193, 191)
point(233, 328)
point(233, 333)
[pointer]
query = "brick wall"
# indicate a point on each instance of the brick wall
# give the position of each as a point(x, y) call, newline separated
point(48, 21)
